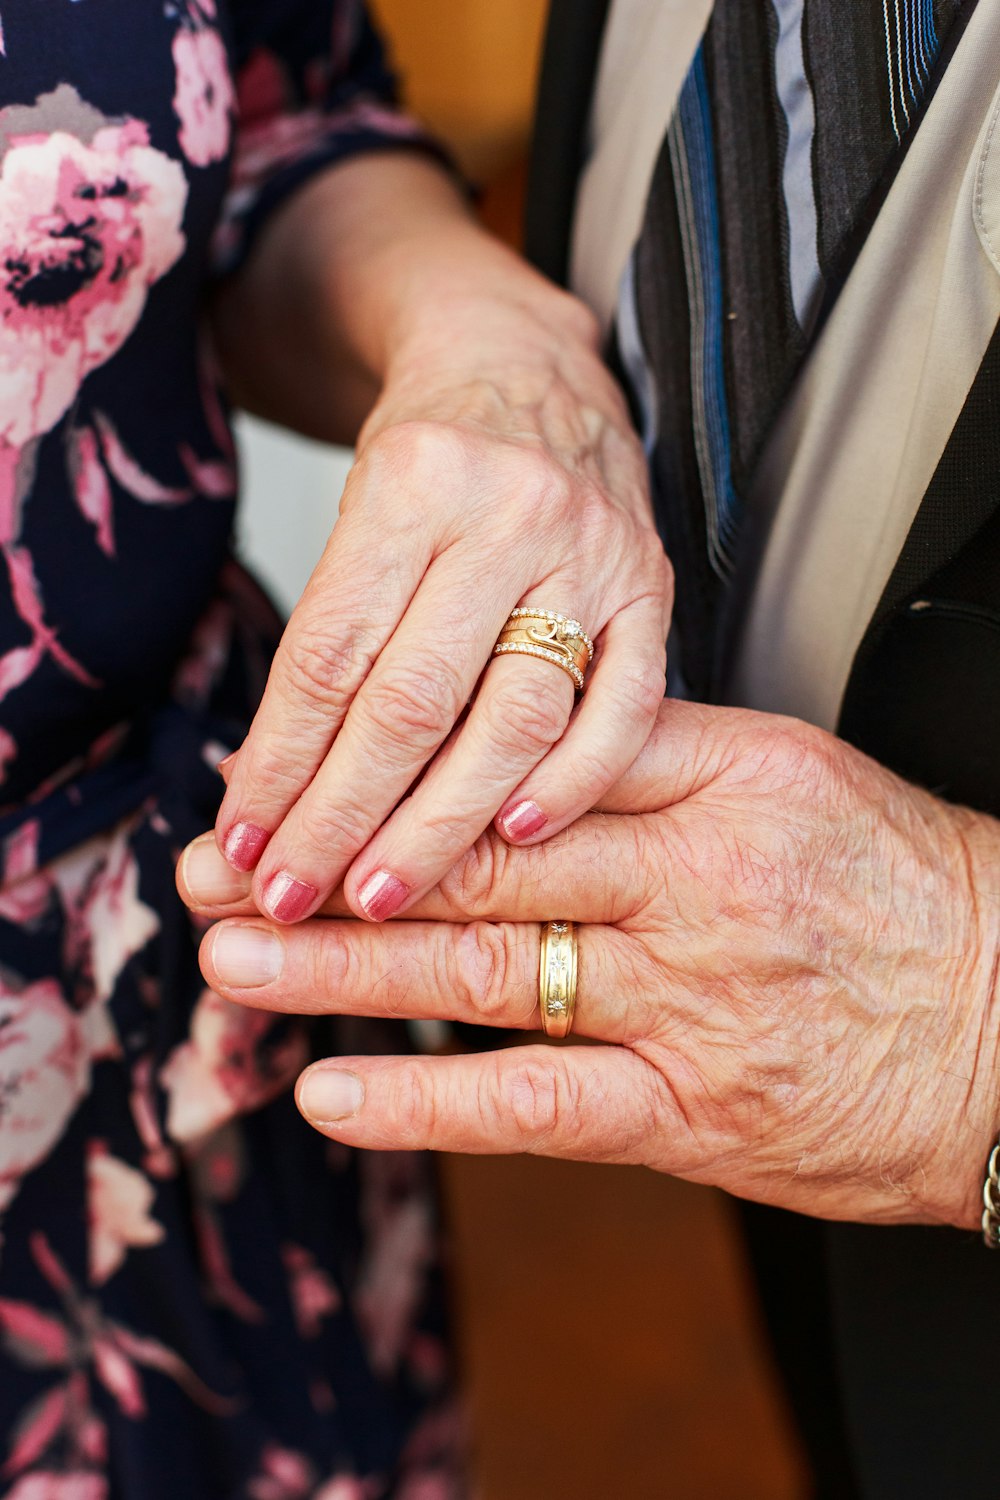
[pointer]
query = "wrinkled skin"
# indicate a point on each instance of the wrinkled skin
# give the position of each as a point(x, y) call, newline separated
point(788, 957)
point(498, 468)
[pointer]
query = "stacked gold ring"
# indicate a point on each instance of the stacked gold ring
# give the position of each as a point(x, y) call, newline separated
point(557, 972)
point(550, 637)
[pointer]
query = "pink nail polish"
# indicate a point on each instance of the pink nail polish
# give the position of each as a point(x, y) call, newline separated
point(382, 894)
point(244, 845)
point(522, 820)
point(287, 899)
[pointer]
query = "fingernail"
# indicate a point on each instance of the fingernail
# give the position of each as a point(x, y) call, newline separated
point(381, 895)
point(244, 845)
point(209, 879)
point(287, 899)
point(326, 1095)
point(246, 957)
point(225, 765)
point(522, 820)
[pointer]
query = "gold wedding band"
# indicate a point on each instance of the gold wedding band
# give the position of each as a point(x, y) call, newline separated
point(557, 971)
point(550, 637)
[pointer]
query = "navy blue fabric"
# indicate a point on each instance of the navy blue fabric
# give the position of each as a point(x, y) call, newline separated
point(199, 1295)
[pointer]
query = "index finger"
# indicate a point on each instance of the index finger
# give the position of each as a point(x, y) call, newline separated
point(591, 872)
point(345, 617)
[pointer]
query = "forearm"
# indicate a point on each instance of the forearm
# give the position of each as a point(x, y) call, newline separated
point(371, 261)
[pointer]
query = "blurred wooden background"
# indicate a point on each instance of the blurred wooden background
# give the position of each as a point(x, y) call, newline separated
point(610, 1336)
point(469, 70)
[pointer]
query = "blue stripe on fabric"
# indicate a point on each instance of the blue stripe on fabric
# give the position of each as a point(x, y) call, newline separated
point(796, 99)
point(633, 356)
point(909, 23)
point(894, 58)
point(911, 45)
point(929, 33)
point(693, 160)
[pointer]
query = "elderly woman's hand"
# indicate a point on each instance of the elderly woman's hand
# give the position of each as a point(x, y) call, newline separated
point(498, 469)
point(789, 956)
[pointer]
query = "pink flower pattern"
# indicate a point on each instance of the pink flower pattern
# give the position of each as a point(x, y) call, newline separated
point(59, 1486)
point(118, 1203)
point(186, 1133)
point(182, 1262)
point(89, 220)
point(204, 97)
point(228, 1066)
point(314, 1296)
point(86, 227)
point(45, 1066)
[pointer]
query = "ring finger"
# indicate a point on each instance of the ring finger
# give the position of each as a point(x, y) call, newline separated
point(480, 972)
point(521, 710)
point(616, 715)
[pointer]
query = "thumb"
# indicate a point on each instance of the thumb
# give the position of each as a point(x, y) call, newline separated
point(690, 745)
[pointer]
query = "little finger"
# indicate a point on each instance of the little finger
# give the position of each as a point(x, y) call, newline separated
point(614, 720)
point(583, 1103)
point(345, 617)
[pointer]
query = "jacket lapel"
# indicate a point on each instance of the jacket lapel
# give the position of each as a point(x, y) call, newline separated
point(923, 691)
point(963, 494)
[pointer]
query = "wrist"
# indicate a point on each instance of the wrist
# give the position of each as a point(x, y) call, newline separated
point(488, 313)
point(499, 336)
point(974, 1063)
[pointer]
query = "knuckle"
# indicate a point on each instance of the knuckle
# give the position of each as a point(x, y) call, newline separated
point(268, 771)
point(815, 743)
point(797, 753)
point(574, 509)
point(655, 574)
point(546, 497)
point(593, 771)
point(331, 831)
point(553, 486)
point(329, 971)
point(468, 886)
point(601, 529)
point(445, 832)
point(324, 670)
point(415, 708)
point(586, 323)
point(538, 1099)
point(416, 1105)
point(524, 717)
point(418, 449)
point(482, 957)
point(640, 689)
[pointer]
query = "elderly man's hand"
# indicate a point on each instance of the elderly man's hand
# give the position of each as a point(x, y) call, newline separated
point(788, 955)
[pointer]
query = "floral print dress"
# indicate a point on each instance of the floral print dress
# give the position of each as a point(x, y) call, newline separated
point(199, 1296)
